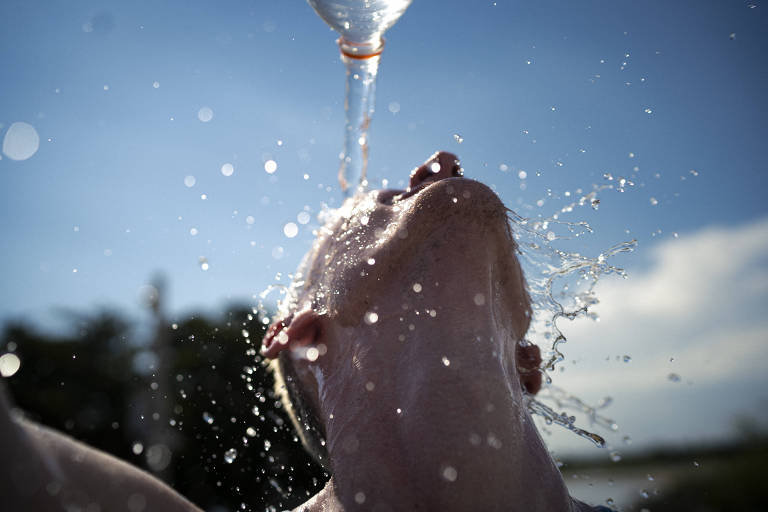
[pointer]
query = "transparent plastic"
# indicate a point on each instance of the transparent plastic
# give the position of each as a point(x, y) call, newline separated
point(361, 24)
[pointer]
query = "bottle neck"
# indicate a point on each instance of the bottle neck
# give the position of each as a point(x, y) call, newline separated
point(365, 50)
point(362, 64)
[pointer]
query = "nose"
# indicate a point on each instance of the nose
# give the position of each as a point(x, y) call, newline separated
point(439, 166)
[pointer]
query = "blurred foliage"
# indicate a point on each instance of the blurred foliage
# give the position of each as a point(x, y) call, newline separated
point(173, 405)
point(720, 481)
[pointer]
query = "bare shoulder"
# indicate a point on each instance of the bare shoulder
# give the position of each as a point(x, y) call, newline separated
point(69, 473)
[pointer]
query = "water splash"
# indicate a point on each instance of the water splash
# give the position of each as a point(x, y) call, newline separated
point(562, 285)
point(562, 419)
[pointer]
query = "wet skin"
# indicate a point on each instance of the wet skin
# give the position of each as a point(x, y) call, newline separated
point(405, 330)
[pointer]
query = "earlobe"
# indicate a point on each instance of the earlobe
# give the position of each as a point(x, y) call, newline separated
point(292, 332)
point(528, 364)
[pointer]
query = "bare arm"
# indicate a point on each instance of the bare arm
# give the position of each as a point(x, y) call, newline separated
point(44, 470)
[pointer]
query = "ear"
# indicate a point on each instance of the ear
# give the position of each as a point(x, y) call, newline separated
point(297, 330)
point(528, 364)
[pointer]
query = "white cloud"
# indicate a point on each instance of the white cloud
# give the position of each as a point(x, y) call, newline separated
point(698, 272)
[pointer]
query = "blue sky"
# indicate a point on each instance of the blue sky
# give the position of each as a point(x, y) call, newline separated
point(566, 92)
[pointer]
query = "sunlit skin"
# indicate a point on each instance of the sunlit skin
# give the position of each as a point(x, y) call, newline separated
point(411, 353)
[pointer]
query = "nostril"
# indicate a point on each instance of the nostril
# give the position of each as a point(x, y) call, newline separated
point(440, 166)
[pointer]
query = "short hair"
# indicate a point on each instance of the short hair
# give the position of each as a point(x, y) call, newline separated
point(300, 409)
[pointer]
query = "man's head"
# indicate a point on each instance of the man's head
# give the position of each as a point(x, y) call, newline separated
point(387, 274)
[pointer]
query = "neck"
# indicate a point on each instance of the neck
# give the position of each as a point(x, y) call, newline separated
point(420, 431)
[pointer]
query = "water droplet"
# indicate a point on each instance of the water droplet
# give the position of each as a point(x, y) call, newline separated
point(615, 456)
point(270, 166)
point(207, 418)
point(450, 473)
point(371, 261)
point(21, 141)
point(644, 494)
point(227, 169)
point(137, 448)
point(9, 364)
point(371, 318)
point(303, 217)
point(458, 138)
point(230, 456)
point(417, 287)
point(205, 114)
point(189, 181)
point(673, 377)
point(290, 230)
point(732, 36)
point(155, 84)
point(696, 464)
point(479, 299)
point(203, 261)
point(370, 386)
point(522, 175)
point(312, 354)
point(394, 107)
point(267, 445)
point(250, 432)
point(250, 219)
point(648, 111)
point(446, 361)
point(654, 201)
point(278, 252)
point(627, 359)
point(399, 410)
point(551, 236)
point(193, 231)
